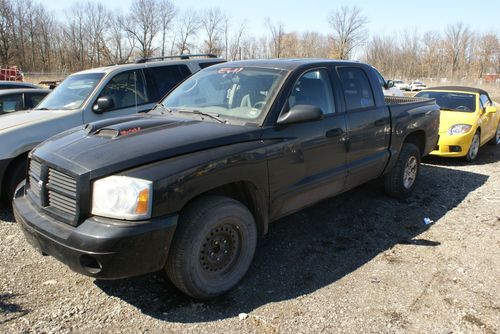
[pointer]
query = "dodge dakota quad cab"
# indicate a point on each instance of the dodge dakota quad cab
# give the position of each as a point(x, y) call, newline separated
point(187, 187)
point(88, 96)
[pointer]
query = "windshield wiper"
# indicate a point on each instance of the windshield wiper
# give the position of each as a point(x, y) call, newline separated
point(197, 112)
point(41, 108)
point(163, 108)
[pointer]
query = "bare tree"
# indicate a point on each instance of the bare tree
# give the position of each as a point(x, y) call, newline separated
point(188, 27)
point(166, 12)
point(488, 47)
point(348, 25)
point(277, 32)
point(212, 22)
point(458, 39)
point(6, 28)
point(120, 44)
point(143, 25)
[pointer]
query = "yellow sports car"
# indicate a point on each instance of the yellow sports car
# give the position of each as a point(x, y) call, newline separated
point(469, 119)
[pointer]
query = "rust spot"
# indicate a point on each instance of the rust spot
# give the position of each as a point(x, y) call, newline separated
point(129, 131)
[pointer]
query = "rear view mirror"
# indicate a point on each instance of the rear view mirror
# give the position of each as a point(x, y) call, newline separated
point(103, 103)
point(490, 109)
point(300, 113)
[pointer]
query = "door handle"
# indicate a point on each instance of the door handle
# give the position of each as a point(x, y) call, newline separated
point(337, 132)
point(380, 122)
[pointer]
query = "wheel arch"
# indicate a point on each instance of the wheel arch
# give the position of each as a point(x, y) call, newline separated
point(418, 139)
point(245, 192)
point(8, 170)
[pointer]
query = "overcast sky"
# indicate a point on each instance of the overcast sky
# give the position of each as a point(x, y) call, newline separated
point(383, 16)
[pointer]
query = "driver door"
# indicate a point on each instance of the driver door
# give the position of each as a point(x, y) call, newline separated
point(487, 121)
point(129, 94)
point(308, 161)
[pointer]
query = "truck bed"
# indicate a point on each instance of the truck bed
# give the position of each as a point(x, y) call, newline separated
point(391, 100)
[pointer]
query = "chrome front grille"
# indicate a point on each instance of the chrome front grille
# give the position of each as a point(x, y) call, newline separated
point(61, 192)
point(34, 180)
point(54, 191)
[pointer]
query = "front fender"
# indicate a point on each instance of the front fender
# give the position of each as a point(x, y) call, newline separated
point(179, 180)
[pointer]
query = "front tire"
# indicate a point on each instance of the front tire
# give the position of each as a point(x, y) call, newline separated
point(402, 179)
point(474, 148)
point(213, 247)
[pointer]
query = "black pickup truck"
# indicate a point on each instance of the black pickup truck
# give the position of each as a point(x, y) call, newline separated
point(187, 187)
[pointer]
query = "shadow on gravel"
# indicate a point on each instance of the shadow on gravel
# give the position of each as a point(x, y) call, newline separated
point(313, 248)
point(10, 309)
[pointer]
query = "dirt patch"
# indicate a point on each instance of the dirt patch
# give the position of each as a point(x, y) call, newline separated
point(360, 262)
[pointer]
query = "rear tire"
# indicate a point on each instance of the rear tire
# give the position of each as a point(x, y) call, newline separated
point(402, 179)
point(496, 138)
point(474, 148)
point(14, 176)
point(213, 247)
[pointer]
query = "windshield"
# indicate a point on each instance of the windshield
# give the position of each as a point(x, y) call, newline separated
point(452, 101)
point(72, 92)
point(229, 93)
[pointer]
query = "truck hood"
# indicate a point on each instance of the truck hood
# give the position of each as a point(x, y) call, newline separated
point(449, 118)
point(20, 118)
point(118, 144)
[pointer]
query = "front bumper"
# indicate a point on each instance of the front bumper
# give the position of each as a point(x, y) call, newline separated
point(98, 247)
point(453, 146)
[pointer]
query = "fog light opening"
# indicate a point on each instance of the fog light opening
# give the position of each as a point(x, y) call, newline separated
point(455, 149)
point(90, 264)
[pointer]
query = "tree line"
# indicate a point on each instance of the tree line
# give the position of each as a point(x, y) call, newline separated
point(89, 34)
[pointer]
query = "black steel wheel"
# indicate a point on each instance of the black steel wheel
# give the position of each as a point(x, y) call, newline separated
point(212, 248)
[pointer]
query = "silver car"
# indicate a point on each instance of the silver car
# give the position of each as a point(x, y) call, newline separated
point(85, 97)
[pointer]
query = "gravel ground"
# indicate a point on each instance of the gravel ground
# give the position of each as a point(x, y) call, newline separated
point(360, 262)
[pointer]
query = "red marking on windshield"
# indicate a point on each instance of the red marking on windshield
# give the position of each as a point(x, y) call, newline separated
point(129, 131)
point(227, 70)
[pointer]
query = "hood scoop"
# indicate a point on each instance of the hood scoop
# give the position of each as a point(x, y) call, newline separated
point(126, 126)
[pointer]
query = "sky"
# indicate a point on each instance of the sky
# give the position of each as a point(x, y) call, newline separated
point(384, 17)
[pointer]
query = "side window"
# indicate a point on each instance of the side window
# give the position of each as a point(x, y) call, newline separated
point(357, 90)
point(32, 100)
point(127, 89)
point(11, 102)
point(484, 101)
point(313, 88)
point(380, 79)
point(167, 77)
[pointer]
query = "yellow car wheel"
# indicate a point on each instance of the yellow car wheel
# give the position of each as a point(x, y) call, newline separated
point(474, 148)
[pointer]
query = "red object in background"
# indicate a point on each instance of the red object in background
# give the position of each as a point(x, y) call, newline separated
point(491, 78)
point(11, 73)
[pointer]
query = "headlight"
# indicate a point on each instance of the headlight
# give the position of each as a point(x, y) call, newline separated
point(122, 197)
point(459, 129)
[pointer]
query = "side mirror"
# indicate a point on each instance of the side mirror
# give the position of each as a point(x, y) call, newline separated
point(490, 110)
point(390, 84)
point(300, 113)
point(103, 103)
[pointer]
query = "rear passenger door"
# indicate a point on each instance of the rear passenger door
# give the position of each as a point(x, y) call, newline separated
point(31, 100)
point(163, 79)
point(368, 125)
